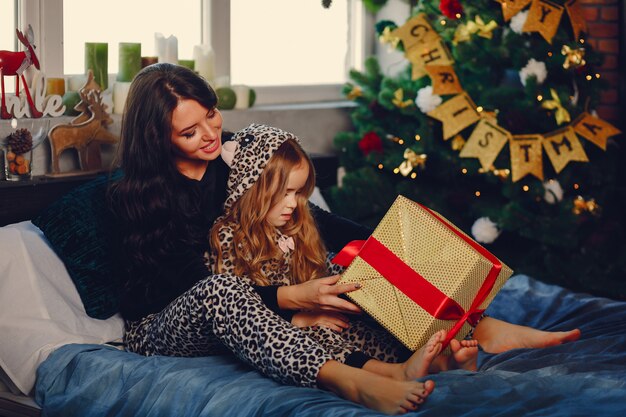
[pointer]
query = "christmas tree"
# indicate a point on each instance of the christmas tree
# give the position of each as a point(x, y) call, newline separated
point(492, 124)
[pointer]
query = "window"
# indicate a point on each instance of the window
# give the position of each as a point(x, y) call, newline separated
point(295, 42)
point(7, 34)
point(289, 51)
point(7, 25)
point(134, 21)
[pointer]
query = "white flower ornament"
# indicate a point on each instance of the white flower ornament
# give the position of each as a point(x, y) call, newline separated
point(426, 101)
point(484, 230)
point(534, 68)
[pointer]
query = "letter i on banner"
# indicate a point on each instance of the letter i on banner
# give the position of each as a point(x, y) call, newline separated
point(512, 7)
point(544, 17)
point(485, 143)
point(456, 114)
point(526, 157)
point(595, 130)
point(563, 146)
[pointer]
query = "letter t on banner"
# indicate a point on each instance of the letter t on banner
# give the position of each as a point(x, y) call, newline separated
point(526, 156)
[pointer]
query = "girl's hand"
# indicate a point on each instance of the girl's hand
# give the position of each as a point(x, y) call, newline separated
point(334, 321)
point(318, 294)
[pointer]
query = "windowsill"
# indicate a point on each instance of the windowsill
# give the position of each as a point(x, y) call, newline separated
point(301, 106)
point(316, 124)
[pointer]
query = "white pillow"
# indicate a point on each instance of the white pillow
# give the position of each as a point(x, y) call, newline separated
point(318, 199)
point(40, 309)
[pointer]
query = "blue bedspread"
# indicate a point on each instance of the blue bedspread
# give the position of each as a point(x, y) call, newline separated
point(583, 378)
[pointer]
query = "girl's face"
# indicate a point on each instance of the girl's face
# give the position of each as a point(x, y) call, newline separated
point(196, 136)
point(280, 213)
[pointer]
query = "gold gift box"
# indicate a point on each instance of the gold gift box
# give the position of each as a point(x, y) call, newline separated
point(418, 253)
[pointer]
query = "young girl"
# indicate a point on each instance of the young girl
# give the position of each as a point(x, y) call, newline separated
point(173, 189)
point(268, 236)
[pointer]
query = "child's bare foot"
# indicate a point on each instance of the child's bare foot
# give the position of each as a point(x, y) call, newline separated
point(418, 364)
point(496, 336)
point(372, 390)
point(464, 353)
point(464, 356)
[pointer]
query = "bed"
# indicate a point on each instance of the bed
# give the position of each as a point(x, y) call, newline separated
point(58, 362)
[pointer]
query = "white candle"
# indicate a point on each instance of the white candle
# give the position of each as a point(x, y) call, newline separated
point(120, 92)
point(159, 46)
point(243, 96)
point(172, 50)
point(204, 57)
point(166, 48)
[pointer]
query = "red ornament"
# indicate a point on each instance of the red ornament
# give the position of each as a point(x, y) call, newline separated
point(371, 142)
point(450, 8)
point(15, 63)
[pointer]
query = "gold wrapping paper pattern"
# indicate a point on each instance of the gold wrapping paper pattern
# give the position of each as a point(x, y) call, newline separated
point(436, 253)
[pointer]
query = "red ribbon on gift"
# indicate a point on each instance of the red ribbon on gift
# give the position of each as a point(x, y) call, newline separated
point(415, 286)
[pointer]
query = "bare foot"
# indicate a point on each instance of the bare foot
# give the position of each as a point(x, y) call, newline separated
point(464, 356)
point(372, 390)
point(496, 336)
point(391, 396)
point(418, 364)
point(464, 353)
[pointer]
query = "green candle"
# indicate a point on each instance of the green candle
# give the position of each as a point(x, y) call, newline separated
point(130, 61)
point(189, 63)
point(97, 60)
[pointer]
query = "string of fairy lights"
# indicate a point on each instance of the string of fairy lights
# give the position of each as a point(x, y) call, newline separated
point(573, 57)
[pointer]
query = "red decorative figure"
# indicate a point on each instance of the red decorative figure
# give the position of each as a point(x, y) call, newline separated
point(15, 63)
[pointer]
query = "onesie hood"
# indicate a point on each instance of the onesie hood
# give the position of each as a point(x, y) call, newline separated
point(247, 154)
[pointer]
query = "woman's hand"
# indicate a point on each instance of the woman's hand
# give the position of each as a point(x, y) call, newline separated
point(318, 294)
point(334, 321)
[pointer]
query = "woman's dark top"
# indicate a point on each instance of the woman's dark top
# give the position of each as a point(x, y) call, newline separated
point(152, 289)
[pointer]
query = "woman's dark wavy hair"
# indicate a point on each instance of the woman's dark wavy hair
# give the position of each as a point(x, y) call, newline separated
point(149, 202)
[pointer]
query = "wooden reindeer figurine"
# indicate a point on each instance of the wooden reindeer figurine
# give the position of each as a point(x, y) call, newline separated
point(15, 63)
point(83, 134)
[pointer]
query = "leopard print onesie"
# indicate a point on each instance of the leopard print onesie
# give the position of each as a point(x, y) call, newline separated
point(362, 336)
point(224, 312)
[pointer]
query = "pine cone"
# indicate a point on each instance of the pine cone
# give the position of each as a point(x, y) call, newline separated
point(20, 141)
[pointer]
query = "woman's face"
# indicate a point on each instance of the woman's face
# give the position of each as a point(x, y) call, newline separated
point(196, 136)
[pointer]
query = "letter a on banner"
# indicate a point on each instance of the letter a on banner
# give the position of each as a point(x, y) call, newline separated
point(456, 114)
point(526, 157)
point(595, 130)
point(563, 146)
point(544, 17)
point(485, 143)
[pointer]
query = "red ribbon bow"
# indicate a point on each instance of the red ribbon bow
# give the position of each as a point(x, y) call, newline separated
point(415, 286)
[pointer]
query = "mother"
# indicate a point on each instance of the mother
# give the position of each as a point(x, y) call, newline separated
point(173, 188)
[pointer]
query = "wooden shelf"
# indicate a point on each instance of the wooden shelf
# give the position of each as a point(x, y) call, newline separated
point(23, 200)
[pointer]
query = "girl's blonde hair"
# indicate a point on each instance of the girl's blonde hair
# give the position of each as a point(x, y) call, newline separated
point(254, 240)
